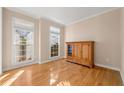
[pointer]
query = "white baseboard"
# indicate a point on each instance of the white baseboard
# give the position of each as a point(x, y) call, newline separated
point(18, 66)
point(45, 61)
point(101, 65)
point(30, 63)
point(105, 66)
point(113, 68)
point(39, 60)
point(51, 60)
point(122, 77)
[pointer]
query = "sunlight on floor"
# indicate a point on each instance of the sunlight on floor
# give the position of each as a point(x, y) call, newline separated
point(13, 78)
point(52, 81)
point(53, 76)
point(2, 77)
point(64, 83)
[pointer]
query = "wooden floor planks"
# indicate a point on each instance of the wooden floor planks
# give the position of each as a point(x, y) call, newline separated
point(60, 73)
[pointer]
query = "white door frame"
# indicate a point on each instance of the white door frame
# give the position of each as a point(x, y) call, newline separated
point(0, 40)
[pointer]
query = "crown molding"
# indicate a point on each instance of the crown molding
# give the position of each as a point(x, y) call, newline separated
point(21, 12)
point(89, 17)
point(58, 21)
point(33, 15)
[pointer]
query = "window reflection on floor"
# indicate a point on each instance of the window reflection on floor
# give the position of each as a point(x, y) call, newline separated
point(2, 77)
point(53, 76)
point(64, 83)
point(13, 78)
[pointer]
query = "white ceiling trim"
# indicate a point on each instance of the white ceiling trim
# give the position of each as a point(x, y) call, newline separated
point(54, 20)
point(89, 17)
point(58, 21)
point(21, 12)
point(33, 16)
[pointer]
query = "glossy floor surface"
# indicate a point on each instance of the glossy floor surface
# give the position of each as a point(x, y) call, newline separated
point(60, 73)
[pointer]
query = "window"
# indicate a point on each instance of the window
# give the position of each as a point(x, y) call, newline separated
point(54, 41)
point(23, 41)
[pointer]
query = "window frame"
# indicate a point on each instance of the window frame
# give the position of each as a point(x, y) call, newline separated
point(50, 57)
point(14, 62)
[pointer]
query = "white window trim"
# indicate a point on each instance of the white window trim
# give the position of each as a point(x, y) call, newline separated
point(54, 57)
point(13, 50)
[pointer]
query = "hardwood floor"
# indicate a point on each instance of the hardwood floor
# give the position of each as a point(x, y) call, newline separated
point(60, 73)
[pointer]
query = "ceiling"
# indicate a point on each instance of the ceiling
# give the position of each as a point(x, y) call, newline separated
point(64, 15)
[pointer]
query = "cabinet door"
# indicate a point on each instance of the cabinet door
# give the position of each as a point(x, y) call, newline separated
point(77, 52)
point(86, 53)
point(70, 51)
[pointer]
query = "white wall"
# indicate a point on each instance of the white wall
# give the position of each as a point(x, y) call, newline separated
point(105, 31)
point(41, 38)
point(0, 40)
point(7, 38)
point(122, 43)
point(44, 39)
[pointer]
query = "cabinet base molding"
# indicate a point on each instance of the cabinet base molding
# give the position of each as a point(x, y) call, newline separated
point(79, 64)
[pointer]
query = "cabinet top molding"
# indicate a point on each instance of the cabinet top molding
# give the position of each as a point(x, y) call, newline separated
point(80, 42)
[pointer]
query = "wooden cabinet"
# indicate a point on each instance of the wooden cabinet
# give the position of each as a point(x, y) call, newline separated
point(81, 52)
